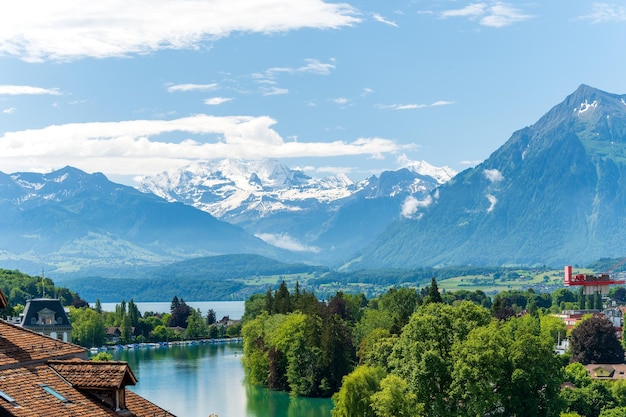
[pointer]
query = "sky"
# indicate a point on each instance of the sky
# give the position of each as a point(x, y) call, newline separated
point(133, 88)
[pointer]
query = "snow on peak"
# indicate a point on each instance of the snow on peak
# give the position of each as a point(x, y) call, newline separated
point(440, 174)
point(232, 189)
point(585, 106)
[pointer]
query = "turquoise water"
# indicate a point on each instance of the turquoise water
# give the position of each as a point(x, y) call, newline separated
point(204, 379)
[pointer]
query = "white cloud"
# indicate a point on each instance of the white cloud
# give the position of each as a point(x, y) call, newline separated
point(191, 87)
point(215, 101)
point(492, 202)
point(470, 163)
point(313, 66)
point(604, 12)
point(285, 241)
point(494, 14)
point(411, 205)
point(17, 90)
point(471, 10)
point(140, 147)
point(274, 91)
point(381, 19)
point(342, 101)
point(10, 110)
point(493, 175)
point(416, 106)
point(39, 30)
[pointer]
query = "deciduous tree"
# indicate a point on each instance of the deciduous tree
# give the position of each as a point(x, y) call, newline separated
point(594, 341)
point(353, 399)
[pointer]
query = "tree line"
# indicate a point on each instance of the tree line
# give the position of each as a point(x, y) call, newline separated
point(89, 324)
point(423, 352)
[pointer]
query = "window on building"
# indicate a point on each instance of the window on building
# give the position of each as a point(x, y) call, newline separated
point(6, 397)
point(51, 391)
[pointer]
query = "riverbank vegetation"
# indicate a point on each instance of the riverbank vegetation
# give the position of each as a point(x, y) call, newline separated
point(90, 326)
point(427, 352)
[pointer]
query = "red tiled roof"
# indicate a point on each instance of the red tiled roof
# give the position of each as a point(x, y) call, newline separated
point(19, 346)
point(95, 374)
point(29, 361)
point(31, 400)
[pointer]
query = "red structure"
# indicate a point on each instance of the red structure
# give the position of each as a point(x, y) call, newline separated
point(592, 283)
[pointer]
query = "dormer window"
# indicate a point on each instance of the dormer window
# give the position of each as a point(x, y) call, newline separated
point(46, 317)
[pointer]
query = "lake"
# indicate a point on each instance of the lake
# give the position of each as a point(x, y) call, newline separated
point(198, 380)
point(203, 379)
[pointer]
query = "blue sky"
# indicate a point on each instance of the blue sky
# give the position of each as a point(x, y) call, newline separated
point(130, 88)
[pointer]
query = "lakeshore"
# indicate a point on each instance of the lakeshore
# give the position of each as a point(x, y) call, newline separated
point(232, 309)
point(193, 379)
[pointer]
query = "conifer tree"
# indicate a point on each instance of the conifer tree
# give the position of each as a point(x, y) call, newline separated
point(433, 292)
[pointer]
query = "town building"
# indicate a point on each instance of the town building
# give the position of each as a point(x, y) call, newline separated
point(606, 371)
point(48, 317)
point(42, 375)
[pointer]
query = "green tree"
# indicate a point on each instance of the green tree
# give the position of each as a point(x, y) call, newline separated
point(577, 374)
point(594, 341)
point(395, 398)
point(102, 357)
point(87, 327)
point(589, 401)
point(98, 306)
point(133, 313)
point(253, 306)
point(507, 368)
point(552, 328)
point(162, 333)
point(597, 301)
point(400, 303)
point(618, 389)
point(423, 354)
point(196, 325)
point(255, 359)
point(433, 292)
point(618, 294)
point(353, 399)
point(282, 300)
point(562, 295)
point(613, 412)
point(582, 298)
point(175, 303)
point(210, 317)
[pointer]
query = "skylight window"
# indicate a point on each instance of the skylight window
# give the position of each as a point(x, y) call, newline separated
point(6, 397)
point(50, 391)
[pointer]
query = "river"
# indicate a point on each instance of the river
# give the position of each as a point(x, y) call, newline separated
point(204, 379)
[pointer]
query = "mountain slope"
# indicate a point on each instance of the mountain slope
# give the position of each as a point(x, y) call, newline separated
point(73, 220)
point(320, 218)
point(554, 193)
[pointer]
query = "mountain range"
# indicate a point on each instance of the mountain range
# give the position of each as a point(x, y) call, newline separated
point(322, 219)
point(553, 194)
point(69, 221)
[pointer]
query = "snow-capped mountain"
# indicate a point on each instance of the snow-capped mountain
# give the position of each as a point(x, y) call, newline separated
point(230, 189)
point(73, 221)
point(292, 210)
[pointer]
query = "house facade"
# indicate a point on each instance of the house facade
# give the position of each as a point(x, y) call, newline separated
point(48, 317)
